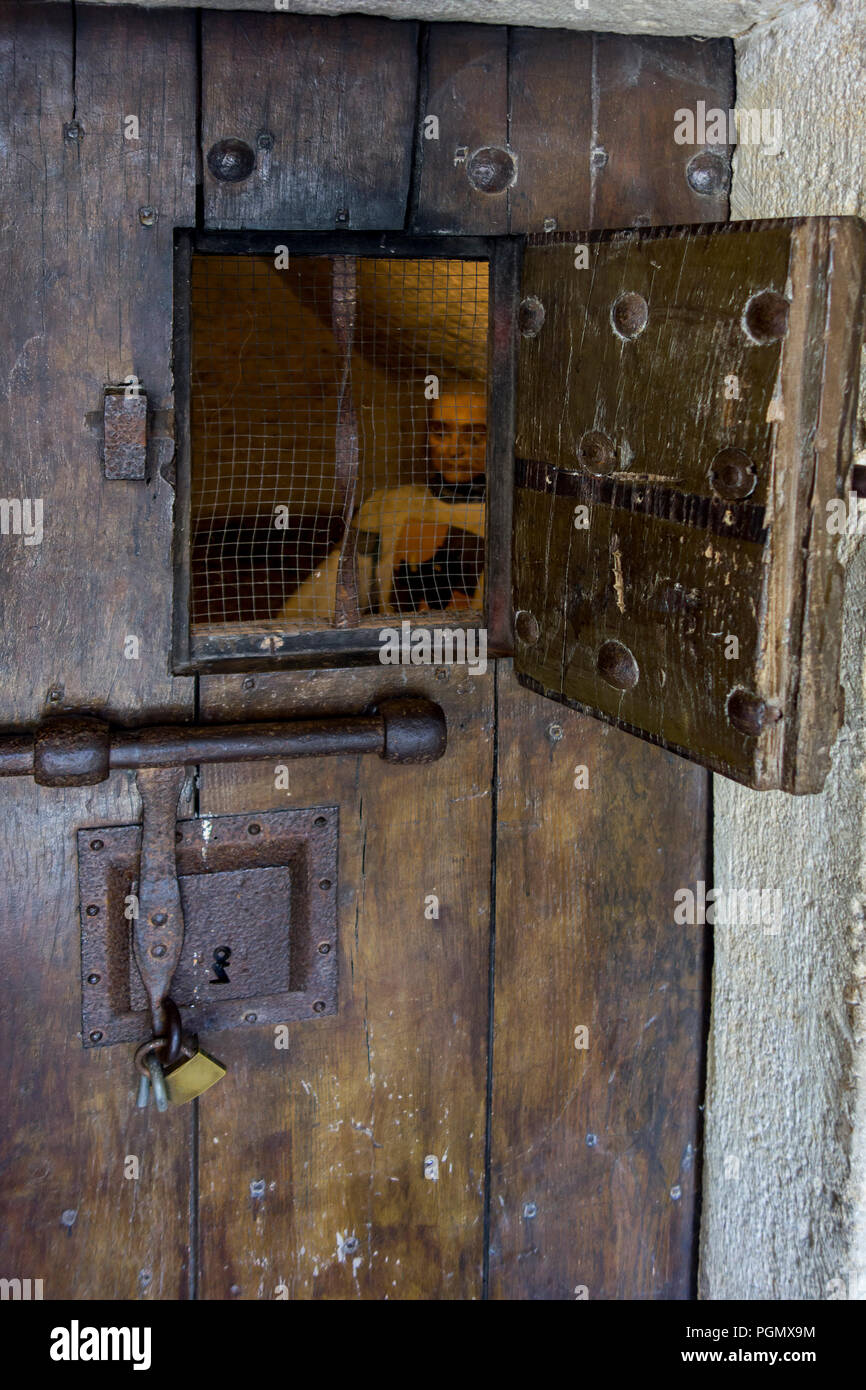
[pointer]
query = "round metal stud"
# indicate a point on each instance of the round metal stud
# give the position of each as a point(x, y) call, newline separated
point(708, 174)
point(733, 475)
point(629, 315)
point(491, 169)
point(617, 666)
point(231, 160)
point(749, 713)
point(766, 317)
point(530, 316)
point(526, 627)
point(596, 452)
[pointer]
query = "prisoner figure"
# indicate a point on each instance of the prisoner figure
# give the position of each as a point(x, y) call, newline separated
point(419, 547)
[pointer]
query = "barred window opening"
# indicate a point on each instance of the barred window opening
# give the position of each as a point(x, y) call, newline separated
point(338, 421)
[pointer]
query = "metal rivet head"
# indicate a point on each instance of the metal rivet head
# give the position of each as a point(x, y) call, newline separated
point(554, 732)
point(264, 140)
point(147, 215)
point(617, 666)
point(530, 1210)
point(72, 130)
point(550, 224)
point(596, 452)
point(709, 174)
point(733, 475)
point(96, 844)
point(628, 315)
point(319, 1006)
point(766, 317)
point(491, 169)
point(96, 1035)
point(55, 695)
point(341, 217)
point(591, 1141)
point(254, 829)
point(92, 910)
point(94, 979)
point(250, 1018)
point(159, 919)
point(530, 316)
point(231, 160)
point(324, 883)
point(249, 683)
point(324, 948)
point(320, 820)
point(526, 626)
point(599, 157)
point(749, 713)
point(158, 950)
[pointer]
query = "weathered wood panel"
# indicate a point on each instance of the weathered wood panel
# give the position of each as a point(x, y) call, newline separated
point(673, 483)
point(551, 108)
point(639, 170)
point(87, 288)
point(368, 1132)
point(594, 1163)
point(465, 87)
point(325, 109)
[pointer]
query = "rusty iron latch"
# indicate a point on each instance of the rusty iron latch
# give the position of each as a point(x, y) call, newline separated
point(75, 750)
point(243, 866)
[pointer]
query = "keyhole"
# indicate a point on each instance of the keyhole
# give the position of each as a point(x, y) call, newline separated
point(220, 960)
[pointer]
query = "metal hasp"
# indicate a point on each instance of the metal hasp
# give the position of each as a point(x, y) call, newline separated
point(72, 750)
point(124, 417)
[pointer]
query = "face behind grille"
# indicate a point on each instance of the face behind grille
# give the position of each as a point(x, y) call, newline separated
point(338, 432)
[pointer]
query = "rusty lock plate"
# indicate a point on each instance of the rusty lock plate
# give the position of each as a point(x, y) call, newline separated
point(259, 897)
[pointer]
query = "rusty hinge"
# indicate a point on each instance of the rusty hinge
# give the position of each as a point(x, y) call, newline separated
point(124, 415)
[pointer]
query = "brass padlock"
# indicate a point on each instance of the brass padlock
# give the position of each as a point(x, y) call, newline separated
point(193, 1074)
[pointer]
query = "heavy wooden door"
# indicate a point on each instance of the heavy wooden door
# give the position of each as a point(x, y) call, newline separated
point(506, 1102)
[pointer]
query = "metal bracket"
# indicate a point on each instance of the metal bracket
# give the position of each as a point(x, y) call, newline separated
point(261, 886)
point(124, 414)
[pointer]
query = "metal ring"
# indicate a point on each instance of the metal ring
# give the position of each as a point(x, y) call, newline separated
point(175, 1029)
point(143, 1052)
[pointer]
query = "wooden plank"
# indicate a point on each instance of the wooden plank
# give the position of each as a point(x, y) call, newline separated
point(368, 1132)
point(465, 87)
point(594, 1151)
point(97, 307)
point(594, 1137)
point(550, 100)
point(325, 108)
point(639, 170)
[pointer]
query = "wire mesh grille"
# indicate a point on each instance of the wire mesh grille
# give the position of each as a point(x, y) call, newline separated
point(338, 426)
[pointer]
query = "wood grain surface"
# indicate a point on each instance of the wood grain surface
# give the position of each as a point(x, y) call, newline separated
point(88, 301)
point(595, 1136)
point(337, 102)
point(368, 1131)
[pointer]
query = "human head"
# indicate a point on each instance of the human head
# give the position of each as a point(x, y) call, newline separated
point(457, 431)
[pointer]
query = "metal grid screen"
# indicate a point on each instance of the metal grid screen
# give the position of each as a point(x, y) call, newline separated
point(338, 432)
